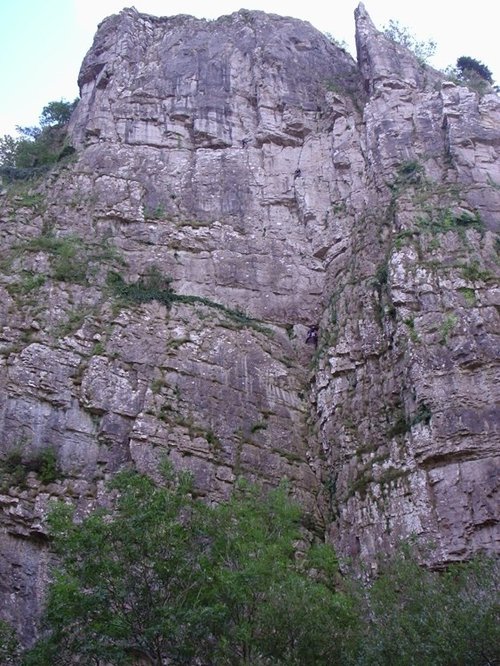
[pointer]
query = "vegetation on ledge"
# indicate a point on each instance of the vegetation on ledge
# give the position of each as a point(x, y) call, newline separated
point(37, 147)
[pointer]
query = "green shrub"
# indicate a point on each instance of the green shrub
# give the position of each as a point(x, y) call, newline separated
point(443, 220)
point(38, 146)
point(412, 615)
point(165, 576)
point(381, 278)
point(152, 287)
point(157, 213)
point(470, 67)
point(409, 173)
point(261, 425)
point(68, 256)
point(69, 263)
point(99, 349)
point(12, 469)
point(28, 281)
point(212, 440)
point(16, 465)
point(400, 425)
point(422, 415)
point(46, 466)
point(468, 294)
point(423, 50)
point(410, 323)
point(75, 319)
point(37, 152)
point(10, 652)
point(57, 113)
point(473, 272)
point(447, 326)
point(26, 198)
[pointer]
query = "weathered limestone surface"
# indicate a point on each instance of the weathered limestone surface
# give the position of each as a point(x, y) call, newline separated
point(407, 386)
point(280, 186)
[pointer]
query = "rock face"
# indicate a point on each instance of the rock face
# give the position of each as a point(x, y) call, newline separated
point(237, 184)
point(406, 388)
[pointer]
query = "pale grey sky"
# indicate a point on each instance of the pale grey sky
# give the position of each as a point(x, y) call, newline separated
point(42, 43)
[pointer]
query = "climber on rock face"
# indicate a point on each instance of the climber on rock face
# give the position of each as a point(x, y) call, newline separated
point(297, 174)
point(312, 335)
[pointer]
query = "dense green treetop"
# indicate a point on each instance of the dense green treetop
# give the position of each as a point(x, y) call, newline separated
point(165, 577)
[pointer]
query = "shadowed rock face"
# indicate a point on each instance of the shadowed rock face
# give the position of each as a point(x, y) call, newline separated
point(280, 186)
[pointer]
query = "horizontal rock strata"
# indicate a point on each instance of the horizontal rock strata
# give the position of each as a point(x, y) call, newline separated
point(265, 260)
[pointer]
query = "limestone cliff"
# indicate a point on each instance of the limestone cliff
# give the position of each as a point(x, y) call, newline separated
point(238, 183)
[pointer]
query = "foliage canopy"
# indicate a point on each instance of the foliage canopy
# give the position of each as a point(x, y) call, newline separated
point(470, 67)
point(417, 616)
point(164, 576)
point(57, 113)
point(38, 145)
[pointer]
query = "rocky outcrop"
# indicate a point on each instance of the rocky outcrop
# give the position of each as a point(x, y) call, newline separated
point(237, 184)
point(407, 376)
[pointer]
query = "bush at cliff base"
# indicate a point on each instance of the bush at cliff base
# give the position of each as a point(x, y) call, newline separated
point(167, 579)
point(165, 576)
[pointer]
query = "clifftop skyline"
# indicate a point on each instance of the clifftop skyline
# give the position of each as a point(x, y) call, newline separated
point(43, 44)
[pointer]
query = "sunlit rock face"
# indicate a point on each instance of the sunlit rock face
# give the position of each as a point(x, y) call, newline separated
point(266, 260)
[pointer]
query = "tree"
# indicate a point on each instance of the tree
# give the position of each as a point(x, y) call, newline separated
point(38, 145)
point(424, 50)
point(271, 609)
point(57, 113)
point(8, 150)
point(29, 133)
point(471, 73)
point(130, 582)
point(164, 576)
point(470, 68)
point(413, 615)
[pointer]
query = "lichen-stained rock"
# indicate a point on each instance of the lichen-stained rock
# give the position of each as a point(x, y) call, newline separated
point(264, 260)
point(407, 384)
point(208, 170)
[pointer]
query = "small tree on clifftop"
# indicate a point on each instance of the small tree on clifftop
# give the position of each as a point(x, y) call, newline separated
point(38, 145)
point(424, 50)
point(470, 67)
point(57, 113)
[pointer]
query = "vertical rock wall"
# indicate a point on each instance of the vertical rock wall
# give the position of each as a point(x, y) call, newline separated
point(238, 182)
point(407, 384)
